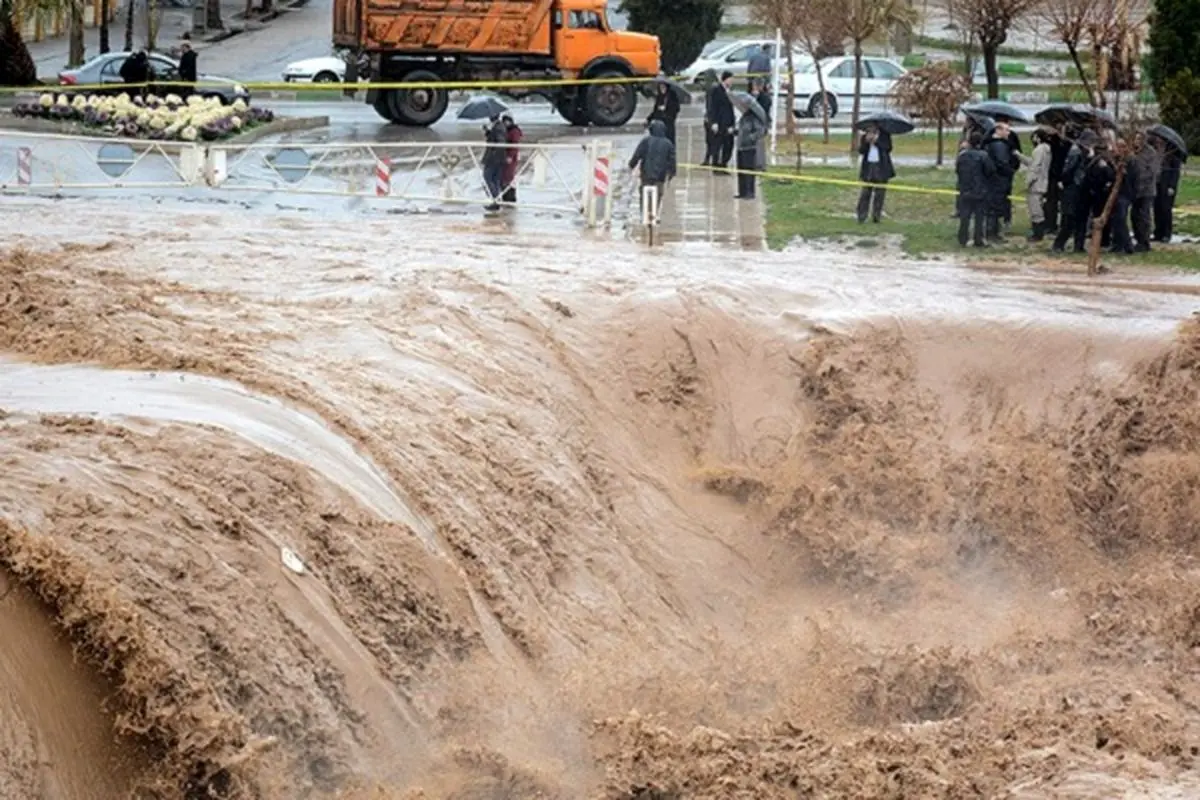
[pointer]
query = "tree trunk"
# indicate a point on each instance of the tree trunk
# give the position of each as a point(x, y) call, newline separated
point(941, 129)
point(212, 15)
point(129, 28)
point(249, 8)
point(1073, 49)
point(151, 24)
point(105, 10)
point(789, 115)
point(989, 67)
point(1099, 225)
point(824, 105)
point(75, 36)
point(857, 106)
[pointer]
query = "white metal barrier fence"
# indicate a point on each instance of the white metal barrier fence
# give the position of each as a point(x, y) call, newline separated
point(570, 178)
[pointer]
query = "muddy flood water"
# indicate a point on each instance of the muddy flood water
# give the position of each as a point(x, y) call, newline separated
point(296, 509)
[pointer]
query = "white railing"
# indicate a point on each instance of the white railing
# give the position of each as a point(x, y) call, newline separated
point(551, 177)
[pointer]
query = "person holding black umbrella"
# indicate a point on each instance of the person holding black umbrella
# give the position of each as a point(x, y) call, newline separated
point(1000, 198)
point(875, 169)
point(1168, 184)
point(666, 109)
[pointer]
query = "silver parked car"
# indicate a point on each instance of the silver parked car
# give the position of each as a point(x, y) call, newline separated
point(106, 69)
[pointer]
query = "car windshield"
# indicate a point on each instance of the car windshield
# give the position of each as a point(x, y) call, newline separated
point(713, 46)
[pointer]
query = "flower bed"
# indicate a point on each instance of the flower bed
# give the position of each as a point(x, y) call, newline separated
point(158, 118)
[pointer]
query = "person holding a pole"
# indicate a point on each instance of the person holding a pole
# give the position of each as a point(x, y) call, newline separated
point(655, 156)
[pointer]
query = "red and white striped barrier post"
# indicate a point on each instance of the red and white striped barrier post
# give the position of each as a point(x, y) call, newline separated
point(24, 166)
point(383, 177)
point(600, 177)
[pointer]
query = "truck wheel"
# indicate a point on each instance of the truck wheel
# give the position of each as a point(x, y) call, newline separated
point(420, 106)
point(610, 105)
point(571, 109)
point(384, 105)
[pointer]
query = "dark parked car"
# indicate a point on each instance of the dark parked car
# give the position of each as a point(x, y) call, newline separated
point(106, 69)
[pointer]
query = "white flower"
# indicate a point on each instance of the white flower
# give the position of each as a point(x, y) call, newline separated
point(46, 100)
point(239, 105)
point(143, 118)
point(122, 98)
point(236, 122)
point(188, 134)
point(93, 100)
point(78, 103)
point(174, 100)
point(239, 89)
point(195, 100)
point(63, 100)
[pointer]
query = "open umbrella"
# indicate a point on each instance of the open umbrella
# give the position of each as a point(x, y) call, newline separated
point(1062, 113)
point(997, 110)
point(745, 101)
point(681, 92)
point(484, 107)
point(888, 121)
point(1171, 137)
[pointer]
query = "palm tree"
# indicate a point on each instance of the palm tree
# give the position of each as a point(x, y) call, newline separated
point(16, 65)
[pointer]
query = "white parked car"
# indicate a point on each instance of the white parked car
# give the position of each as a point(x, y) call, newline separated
point(878, 79)
point(726, 56)
point(325, 69)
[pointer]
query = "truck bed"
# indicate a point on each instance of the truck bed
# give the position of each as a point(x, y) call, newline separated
point(478, 27)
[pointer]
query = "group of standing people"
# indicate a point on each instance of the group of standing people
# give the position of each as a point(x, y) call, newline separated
point(1068, 180)
point(501, 158)
point(137, 71)
point(726, 131)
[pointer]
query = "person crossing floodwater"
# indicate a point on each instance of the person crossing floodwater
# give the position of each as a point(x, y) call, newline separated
point(495, 155)
point(512, 158)
point(720, 123)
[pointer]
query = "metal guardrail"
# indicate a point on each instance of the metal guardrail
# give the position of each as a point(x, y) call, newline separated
point(552, 177)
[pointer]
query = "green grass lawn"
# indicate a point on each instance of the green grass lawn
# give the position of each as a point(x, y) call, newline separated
point(922, 221)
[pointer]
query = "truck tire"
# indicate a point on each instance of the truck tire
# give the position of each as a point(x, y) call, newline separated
point(384, 106)
point(571, 109)
point(610, 105)
point(421, 107)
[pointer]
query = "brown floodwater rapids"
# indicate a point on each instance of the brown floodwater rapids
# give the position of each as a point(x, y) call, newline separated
point(293, 510)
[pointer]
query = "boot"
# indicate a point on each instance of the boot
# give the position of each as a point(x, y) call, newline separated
point(1038, 233)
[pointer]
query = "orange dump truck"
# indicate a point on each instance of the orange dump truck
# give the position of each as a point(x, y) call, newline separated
point(443, 41)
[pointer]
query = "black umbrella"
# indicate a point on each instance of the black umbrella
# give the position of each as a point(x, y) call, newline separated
point(681, 92)
point(1171, 137)
point(981, 121)
point(484, 107)
point(997, 110)
point(1062, 113)
point(746, 102)
point(887, 121)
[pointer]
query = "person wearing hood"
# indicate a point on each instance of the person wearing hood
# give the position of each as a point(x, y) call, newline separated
point(666, 109)
point(513, 135)
point(751, 152)
point(495, 155)
point(655, 159)
point(875, 169)
point(1075, 200)
point(1168, 184)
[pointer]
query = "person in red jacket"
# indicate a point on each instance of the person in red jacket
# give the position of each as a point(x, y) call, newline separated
point(512, 135)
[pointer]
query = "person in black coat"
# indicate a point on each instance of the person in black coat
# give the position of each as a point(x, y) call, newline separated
point(1101, 175)
point(1121, 241)
point(1014, 148)
point(1059, 147)
point(999, 199)
point(762, 93)
point(720, 123)
point(875, 169)
point(1075, 201)
point(135, 71)
point(1167, 186)
point(188, 73)
point(666, 110)
point(975, 172)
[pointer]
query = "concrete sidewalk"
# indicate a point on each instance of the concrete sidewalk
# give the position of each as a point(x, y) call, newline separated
point(699, 205)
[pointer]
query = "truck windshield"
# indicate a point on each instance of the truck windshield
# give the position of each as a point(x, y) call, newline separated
point(585, 20)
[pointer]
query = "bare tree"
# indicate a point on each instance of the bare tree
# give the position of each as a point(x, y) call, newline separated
point(817, 22)
point(1071, 21)
point(991, 21)
point(934, 93)
point(75, 48)
point(866, 19)
point(781, 15)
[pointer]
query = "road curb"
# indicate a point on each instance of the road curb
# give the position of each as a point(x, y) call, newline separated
point(284, 125)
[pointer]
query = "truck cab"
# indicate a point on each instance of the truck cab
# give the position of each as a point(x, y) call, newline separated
point(583, 37)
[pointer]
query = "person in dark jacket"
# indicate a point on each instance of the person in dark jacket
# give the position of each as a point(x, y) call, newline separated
point(655, 157)
point(135, 71)
point(1149, 164)
point(1075, 201)
point(666, 109)
point(1127, 192)
point(1164, 198)
point(512, 157)
point(720, 123)
point(188, 73)
point(1059, 147)
point(1101, 175)
point(758, 67)
point(761, 92)
point(999, 199)
point(751, 151)
point(975, 172)
point(495, 155)
point(875, 169)
point(1014, 149)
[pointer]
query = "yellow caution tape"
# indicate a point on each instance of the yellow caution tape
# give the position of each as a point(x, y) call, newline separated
point(791, 176)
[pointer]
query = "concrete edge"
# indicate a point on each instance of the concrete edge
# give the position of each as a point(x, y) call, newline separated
point(285, 125)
